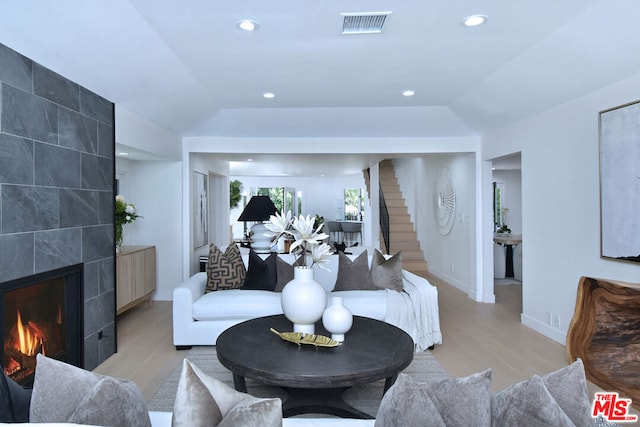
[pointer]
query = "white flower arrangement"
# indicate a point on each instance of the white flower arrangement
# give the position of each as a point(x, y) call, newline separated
point(306, 239)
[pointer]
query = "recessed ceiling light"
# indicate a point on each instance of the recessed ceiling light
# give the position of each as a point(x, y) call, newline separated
point(408, 92)
point(249, 160)
point(269, 95)
point(474, 20)
point(123, 153)
point(248, 25)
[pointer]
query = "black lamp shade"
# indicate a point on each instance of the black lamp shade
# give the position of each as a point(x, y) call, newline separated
point(259, 208)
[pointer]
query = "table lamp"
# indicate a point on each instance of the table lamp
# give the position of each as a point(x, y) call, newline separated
point(259, 209)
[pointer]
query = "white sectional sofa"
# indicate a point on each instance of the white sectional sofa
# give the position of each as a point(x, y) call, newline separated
point(199, 318)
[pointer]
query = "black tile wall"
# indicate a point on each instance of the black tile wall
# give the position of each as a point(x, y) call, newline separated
point(56, 188)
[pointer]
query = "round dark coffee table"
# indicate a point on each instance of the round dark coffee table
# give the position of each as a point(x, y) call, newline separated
point(314, 377)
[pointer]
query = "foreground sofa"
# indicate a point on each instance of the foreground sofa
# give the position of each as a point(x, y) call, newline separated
point(199, 317)
point(64, 394)
point(559, 398)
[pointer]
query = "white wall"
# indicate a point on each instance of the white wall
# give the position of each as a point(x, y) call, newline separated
point(560, 203)
point(450, 257)
point(161, 225)
point(134, 131)
point(155, 188)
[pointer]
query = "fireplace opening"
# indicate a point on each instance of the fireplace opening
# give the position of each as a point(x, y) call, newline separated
point(41, 314)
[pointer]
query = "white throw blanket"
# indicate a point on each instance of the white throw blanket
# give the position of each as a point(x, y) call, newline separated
point(415, 311)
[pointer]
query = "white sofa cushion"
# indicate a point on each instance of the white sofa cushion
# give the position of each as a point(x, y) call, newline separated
point(236, 303)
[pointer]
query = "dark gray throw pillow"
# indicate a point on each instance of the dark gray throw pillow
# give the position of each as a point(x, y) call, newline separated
point(20, 401)
point(6, 409)
point(14, 401)
point(353, 275)
point(261, 274)
point(284, 274)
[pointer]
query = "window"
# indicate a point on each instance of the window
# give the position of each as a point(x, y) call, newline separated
point(284, 198)
point(353, 204)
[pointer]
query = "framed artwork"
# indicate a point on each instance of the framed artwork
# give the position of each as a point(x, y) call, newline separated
point(620, 182)
point(200, 210)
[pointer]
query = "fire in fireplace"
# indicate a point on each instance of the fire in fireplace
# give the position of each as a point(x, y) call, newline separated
point(41, 314)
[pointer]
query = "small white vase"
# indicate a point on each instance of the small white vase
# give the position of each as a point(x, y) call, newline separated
point(303, 300)
point(337, 319)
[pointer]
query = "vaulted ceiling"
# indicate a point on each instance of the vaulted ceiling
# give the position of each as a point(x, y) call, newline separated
point(187, 67)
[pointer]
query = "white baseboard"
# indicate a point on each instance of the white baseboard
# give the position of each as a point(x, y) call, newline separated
point(546, 330)
point(162, 296)
point(487, 297)
point(464, 287)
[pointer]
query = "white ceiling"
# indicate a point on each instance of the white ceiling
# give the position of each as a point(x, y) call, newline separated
point(186, 67)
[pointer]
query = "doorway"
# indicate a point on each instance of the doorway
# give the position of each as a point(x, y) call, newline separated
point(507, 227)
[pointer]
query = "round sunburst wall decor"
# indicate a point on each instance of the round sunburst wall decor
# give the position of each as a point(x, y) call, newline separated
point(444, 201)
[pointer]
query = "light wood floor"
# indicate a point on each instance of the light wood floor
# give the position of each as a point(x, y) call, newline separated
point(476, 336)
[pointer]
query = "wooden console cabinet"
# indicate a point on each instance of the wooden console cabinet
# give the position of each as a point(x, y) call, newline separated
point(136, 276)
point(605, 334)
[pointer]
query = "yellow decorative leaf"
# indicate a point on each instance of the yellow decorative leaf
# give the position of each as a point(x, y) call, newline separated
point(311, 339)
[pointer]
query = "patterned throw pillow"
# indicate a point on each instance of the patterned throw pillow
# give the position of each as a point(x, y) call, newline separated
point(224, 270)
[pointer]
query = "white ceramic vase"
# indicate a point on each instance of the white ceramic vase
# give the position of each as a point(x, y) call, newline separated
point(303, 300)
point(337, 319)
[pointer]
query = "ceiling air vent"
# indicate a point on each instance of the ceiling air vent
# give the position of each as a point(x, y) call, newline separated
point(363, 23)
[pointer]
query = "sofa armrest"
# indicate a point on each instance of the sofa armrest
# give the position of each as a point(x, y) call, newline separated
point(191, 289)
point(184, 295)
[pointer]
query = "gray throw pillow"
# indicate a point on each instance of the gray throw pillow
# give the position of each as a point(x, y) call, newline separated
point(202, 400)
point(63, 393)
point(449, 402)
point(387, 273)
point(405, 405)
point(353, 275)
point(111, 402)
point(568, 386)
point(464, 401)
point(528, 403)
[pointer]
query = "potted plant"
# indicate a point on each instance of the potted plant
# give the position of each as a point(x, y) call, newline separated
point(125, 214)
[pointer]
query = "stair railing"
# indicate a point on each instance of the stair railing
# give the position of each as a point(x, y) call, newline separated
point(384, 221)
point(384, 212)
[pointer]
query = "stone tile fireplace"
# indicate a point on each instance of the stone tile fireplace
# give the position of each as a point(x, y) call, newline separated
point(57, 191)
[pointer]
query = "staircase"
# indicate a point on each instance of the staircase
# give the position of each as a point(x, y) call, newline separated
point(402, 234)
